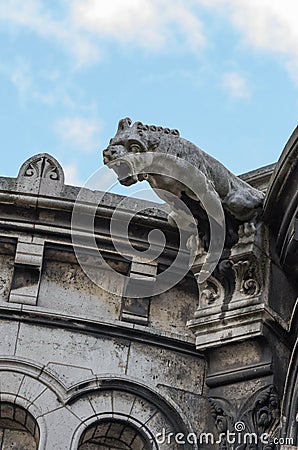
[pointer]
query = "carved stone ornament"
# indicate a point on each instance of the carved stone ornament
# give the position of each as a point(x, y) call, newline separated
point(211, 293)
point(240, 202)
point(41, 174)
point(238, 198)
point(41, 166)
point(246, 282)
point(231, 307)
point(221, 411)
point(246, 233)
point(236, 277)
point(253, 426)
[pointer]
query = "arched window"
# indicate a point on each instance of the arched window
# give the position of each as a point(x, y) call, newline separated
point(113, 435)
point(18, 428)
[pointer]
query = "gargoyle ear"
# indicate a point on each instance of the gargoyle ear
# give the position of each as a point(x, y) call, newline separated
point(153, 143)
point(123, 124)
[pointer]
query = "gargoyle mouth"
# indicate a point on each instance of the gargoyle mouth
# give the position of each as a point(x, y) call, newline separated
point(124, 172)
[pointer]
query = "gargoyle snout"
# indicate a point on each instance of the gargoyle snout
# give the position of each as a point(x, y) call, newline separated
point(109, 154)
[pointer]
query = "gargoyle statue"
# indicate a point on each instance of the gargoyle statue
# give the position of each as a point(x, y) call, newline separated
point(240, 201)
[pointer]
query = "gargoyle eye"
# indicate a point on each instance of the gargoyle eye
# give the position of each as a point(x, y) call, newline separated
point(135, 148)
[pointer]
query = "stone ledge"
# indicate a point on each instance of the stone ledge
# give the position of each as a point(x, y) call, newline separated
point(134, 332)
point(217, 328)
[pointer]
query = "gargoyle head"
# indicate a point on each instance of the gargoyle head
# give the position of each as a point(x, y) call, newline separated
point(130, 141)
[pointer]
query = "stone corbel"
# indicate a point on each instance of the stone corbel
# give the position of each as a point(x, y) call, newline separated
point(27, 270)
point(231, 301)
point(142, 276)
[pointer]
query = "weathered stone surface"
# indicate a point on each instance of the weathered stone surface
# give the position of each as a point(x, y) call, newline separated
point(8, 337)
point(157, 366)
point(17, 440)
point(171, 310)
point(66, 288)
point(6, 274)
point(61, 425)
point(30, 389)
point(10, 382)
point(103, 356)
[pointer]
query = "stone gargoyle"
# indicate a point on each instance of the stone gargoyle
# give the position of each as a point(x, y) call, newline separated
point(240, 201)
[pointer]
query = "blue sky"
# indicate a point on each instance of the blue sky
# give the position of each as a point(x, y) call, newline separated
point(224, 72)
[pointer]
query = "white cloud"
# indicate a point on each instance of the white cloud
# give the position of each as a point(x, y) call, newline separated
point(265, 24)
point(122, 21)
point(45, 86)
point(269, 25)
point(236, 85)
point(71, 175)
point(142, 23)
point(21, 76)
point(84, 25)
point(32, 15)
point(80, 132)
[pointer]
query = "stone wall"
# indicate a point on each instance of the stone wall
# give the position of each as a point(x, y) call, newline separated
point(69, 354)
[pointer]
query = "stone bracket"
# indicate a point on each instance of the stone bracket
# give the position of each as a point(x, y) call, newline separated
point(142, 277)
point(27, 270)
point(232, 301)
point(215, 329)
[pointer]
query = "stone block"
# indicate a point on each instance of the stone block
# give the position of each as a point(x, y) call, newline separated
point(61, 425)
point(31, 388)
point(18, 440)
point(99, 354)
point(82, 408)
point(8, 337)
point(10, 382)
point(122, 402)
point(142, 410)
point(47, 402)
point(101, 402)
point(6, 411)
point(81, 297)
point(155, 365)
point(69, 375)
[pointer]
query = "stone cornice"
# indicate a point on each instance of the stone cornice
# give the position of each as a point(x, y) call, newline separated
point(44, 317)
point(259, 178)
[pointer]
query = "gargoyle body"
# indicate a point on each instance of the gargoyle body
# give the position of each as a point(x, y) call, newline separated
point(240, 201)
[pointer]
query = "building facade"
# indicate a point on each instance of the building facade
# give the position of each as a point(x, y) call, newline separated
point(84, 365)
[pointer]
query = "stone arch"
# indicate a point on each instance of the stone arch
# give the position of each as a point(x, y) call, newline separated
point(114, 433)
point(63, 413)
point(21, 390)
point(18, 428)
point(140, 409)
point(13, 369)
